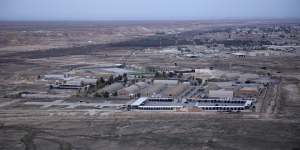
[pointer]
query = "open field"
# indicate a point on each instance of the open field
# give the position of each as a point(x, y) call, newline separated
point(74, 130)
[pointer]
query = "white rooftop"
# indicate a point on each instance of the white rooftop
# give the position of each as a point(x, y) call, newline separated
point(139, 101)
point(239, 54)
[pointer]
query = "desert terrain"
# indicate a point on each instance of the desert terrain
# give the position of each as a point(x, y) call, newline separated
point(36, 114)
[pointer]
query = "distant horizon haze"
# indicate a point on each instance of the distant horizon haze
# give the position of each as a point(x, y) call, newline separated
point(110, 10)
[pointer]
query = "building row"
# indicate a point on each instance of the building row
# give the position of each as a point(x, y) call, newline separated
point(169, 104)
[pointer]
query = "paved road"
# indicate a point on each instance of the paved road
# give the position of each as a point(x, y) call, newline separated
point(72, 105)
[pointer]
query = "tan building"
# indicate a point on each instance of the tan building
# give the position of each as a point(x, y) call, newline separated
point(221, 94)
point(248, 91)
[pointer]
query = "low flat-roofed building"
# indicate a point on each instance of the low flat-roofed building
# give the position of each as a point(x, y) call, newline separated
point(67, 85)
point(139, 101)
point(87, 81)
point(52, 78)
point(222, 85)
point(168, 82)
point(248, 91)
point(221, 93)
point(239, 54)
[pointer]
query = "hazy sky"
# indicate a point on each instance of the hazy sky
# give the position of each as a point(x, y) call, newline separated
point(146, 9)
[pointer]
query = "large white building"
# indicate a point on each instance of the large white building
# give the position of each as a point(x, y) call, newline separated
point(169, 104)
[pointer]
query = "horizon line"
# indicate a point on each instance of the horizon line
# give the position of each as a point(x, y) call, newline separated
point(157, 19)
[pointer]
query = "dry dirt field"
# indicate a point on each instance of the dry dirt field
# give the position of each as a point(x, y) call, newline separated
point(76, 130)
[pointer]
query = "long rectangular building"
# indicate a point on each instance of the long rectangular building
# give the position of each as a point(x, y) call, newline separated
point(169, 104)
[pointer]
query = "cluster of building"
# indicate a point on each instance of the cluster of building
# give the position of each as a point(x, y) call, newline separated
point(183, 90)
point(64, 81)
point(210, 95)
